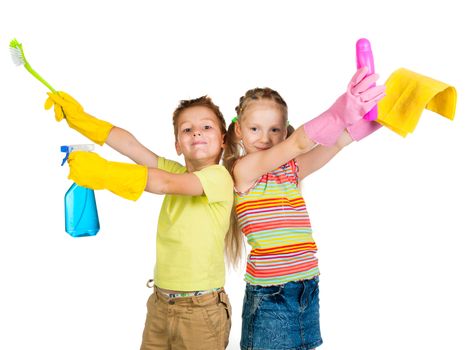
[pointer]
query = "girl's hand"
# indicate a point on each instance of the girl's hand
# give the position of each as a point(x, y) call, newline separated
point(360, 97)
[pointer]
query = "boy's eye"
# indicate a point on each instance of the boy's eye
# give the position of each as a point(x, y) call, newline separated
point(187, 130)
point(276, 130)
point(253, 128)
point(207, 127)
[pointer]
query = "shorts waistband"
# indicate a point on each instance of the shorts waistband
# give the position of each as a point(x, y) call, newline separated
point(188, 294)
point(210, 297)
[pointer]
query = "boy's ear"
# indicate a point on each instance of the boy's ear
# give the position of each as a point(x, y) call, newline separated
point(178, 148)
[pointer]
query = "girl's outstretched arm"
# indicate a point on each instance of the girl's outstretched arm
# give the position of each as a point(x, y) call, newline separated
point(320, 155)
point(326, 130)
point(250, 167)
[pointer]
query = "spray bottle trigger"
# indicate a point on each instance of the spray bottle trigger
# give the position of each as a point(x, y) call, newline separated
point(67, 150)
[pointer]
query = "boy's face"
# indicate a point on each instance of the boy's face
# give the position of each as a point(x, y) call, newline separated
point(262, 126)
point(199, 137)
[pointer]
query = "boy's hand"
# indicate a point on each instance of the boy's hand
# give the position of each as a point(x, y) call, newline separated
point(87, 169)
point(63, 103)
point(90, 170)
point(66, 107)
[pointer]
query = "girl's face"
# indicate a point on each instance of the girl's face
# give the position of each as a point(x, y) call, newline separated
point(199, 137)
point(261, 126)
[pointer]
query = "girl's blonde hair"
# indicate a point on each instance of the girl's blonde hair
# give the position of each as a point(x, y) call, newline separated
point(233, 151)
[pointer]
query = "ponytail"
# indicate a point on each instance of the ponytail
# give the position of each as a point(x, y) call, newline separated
point(232, 150)
point(234, 241)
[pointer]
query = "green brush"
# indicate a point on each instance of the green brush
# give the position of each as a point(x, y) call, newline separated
point(19, 59)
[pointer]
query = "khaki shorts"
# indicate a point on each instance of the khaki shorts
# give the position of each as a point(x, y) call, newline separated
point(197, 322)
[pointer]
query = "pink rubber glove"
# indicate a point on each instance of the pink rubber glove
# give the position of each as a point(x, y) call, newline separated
point(362, 129)
point(348, 109)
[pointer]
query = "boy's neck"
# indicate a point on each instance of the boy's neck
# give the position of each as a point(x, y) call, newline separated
point(199, 164)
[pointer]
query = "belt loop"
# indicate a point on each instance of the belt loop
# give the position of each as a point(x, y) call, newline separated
point(221, 297)
point(224, 299)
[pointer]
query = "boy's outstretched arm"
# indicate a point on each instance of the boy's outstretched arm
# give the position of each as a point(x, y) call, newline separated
point(163, 182)
point(129, 181)
point(125, 143)
point(99, 131)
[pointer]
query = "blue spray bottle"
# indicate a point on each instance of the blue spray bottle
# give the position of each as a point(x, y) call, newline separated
point(80, 209)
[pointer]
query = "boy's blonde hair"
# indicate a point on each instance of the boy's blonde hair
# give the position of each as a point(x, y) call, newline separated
point(233, 151)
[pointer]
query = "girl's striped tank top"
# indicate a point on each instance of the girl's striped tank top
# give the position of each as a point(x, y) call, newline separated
point(273, 217)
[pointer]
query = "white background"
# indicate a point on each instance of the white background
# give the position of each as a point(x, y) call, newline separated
point(393, 217)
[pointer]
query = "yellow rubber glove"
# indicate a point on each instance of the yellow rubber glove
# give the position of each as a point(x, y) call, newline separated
point(66, 107)
point(90, 170)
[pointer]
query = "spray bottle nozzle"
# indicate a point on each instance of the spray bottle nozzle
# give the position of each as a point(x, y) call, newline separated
point(70, 148)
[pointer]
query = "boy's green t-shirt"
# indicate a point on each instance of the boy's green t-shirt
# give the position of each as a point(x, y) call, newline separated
point(191, 232)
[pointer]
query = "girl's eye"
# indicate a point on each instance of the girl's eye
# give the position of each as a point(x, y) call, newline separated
point(207, 127)
point(276, 130)
point(187, 130)
point(253, 129)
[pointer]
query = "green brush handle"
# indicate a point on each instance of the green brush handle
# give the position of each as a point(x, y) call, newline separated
point(37, 76)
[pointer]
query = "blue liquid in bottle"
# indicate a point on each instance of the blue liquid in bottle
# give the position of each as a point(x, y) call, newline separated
point(80, 212)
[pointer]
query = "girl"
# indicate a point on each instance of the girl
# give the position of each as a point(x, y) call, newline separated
point(281, 307)
point(189, 308)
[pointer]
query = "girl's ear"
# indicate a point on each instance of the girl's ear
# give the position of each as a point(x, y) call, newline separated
point(237, 129)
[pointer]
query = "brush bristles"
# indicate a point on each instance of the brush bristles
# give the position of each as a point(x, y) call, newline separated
point(17, 53)
point(17, 56)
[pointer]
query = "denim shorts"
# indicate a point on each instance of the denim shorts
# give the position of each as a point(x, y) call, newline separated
point(284, 317)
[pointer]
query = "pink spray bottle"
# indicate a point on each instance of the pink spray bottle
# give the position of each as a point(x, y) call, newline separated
point(365, 58)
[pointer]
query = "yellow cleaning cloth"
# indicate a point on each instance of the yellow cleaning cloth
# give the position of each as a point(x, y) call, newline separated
point(408, 94)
